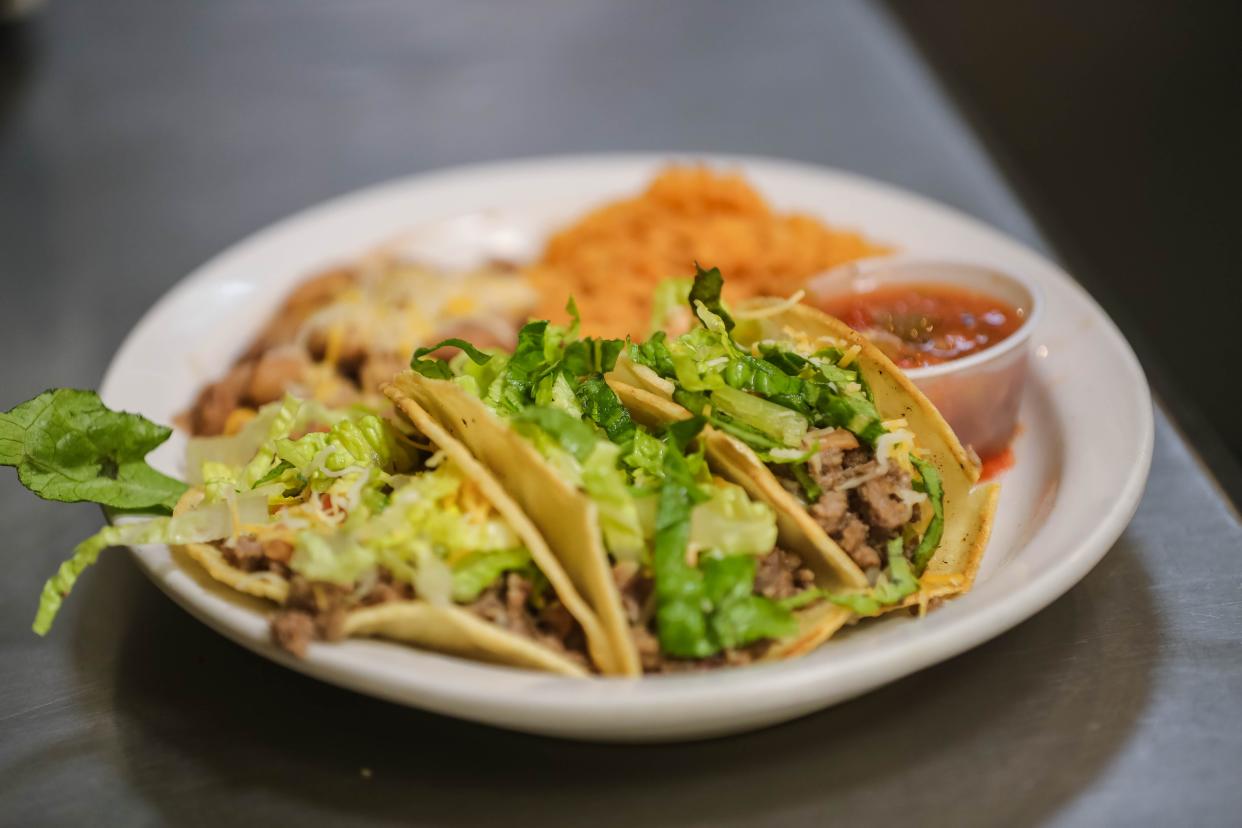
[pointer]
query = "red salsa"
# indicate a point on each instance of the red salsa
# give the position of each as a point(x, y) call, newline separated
point(996, 464)
point(919, 324)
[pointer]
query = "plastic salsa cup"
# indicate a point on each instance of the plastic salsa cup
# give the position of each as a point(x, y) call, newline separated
point(978, 393)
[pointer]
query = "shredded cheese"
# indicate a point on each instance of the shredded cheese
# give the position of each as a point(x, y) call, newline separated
point(472, 501)
point(332, 351)
point(460, 305)
point(237, 420)
point(773, 309)
point(894, 447)
point(855, 482)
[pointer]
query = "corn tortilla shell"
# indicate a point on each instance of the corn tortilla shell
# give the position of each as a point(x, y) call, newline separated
point(569, 520)
point(448, 629)
point(968, 509)
point(563, 515)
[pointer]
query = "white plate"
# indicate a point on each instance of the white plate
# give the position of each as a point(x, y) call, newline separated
point(1082, 456)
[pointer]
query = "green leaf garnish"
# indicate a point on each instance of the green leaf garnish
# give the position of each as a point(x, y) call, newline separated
point(706, 289)
point(67, 445)
point(439, 368)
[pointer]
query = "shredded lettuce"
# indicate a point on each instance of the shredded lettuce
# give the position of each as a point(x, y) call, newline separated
point(517, 382)
point(853, 412)
point(708, 363)
point(555, 391)
point(730, 523)
point(700, 610)
point(279, 427)
point(479, 570)
point(896, 584)
point(427, 522)
point(784, 425)
point(810, 488)
point(681, 616)
point(654, 353)
point(749, 435)
point(604, 408)
point(220, 480)
point(432, 578)
point(214, 521)
point(207, 522)
point(739, 617)
point(335, 557)
point(930, 484)
point(671, 296)
point(348, 486)
point(439, 368)
point(86, 553)
point(590, 356)
point(596, 469)
point(706, 290)
point(236, 450)
point(645, 457)
point(351, 444)
point(478, 377)
point(618, 514)
point(570, 433)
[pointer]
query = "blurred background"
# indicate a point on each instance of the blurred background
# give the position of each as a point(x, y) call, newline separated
point(1118, 123)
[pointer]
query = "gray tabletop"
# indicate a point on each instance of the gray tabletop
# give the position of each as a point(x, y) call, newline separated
point(138, 139)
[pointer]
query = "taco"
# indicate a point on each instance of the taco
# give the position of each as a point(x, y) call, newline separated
point(830, 433)
point(358, 526)
point(683, 568)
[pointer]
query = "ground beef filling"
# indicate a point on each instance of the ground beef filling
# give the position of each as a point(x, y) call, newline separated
point(315, 611)
point(249, 554)
point(860, 516)
point(779, 574)
point(510, 604)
